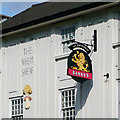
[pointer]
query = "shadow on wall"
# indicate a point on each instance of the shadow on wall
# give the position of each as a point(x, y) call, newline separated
point(82, 94)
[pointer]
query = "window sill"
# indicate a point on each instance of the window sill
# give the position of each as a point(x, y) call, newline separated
point(62, 56)
point(65, 79)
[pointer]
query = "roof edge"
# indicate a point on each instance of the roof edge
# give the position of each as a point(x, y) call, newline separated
point(61, 18)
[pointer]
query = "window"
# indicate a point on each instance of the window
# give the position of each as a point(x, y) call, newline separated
point(68, 37)
point(68, 104)
point(17, 108)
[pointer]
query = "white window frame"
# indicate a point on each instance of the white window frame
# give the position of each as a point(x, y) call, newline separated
point(21, 105)
point(66, 38)
point(68, 110)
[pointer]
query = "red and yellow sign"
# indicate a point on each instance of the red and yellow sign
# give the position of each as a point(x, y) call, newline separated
point(79, 65)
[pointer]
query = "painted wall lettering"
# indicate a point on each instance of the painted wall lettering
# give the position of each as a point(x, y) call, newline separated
point(27, 61)
point(27, 71)
point(27, 50)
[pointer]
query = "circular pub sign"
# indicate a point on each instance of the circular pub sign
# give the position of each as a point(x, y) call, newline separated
point(79, 66)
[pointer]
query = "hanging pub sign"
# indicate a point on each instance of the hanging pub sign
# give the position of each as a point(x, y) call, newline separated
point(79, 65)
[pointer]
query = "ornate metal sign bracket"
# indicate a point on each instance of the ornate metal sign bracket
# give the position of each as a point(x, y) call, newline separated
point(85, 45)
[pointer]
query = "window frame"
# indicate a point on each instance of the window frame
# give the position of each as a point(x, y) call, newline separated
point(68, 109)
point(20, 103)
point(69, 41)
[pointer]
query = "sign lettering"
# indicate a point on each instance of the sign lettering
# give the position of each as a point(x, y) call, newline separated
point(80, 45)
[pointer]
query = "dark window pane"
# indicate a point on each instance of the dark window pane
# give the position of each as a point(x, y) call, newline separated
point(15, 101)
point(18, 106)
point(12, 102)
point(69, 103)
point(22, 106)
point(66, 98)
point(66, 105)
point(19, 101)
point(67, 113)
point(16, 112)
point(12, 112)
point(73, 103)
point(66, 93)
point(70, 93)
point(62, 105)
point(21, 111)
point(69, 98)
point(63, 113)
point(63, 94)
point(12, 107)
point(73, 92)
point(73, 97)
point(71, 112)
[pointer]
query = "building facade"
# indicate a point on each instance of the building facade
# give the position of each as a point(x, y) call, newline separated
point(34, 54)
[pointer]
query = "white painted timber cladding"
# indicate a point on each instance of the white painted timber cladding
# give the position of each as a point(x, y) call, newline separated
point(46, 71)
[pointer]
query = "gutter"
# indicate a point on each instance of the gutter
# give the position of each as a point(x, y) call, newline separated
point(61, 18)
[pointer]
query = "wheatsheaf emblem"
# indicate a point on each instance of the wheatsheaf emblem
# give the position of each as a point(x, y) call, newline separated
point(79, 59)
point(27, 91)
